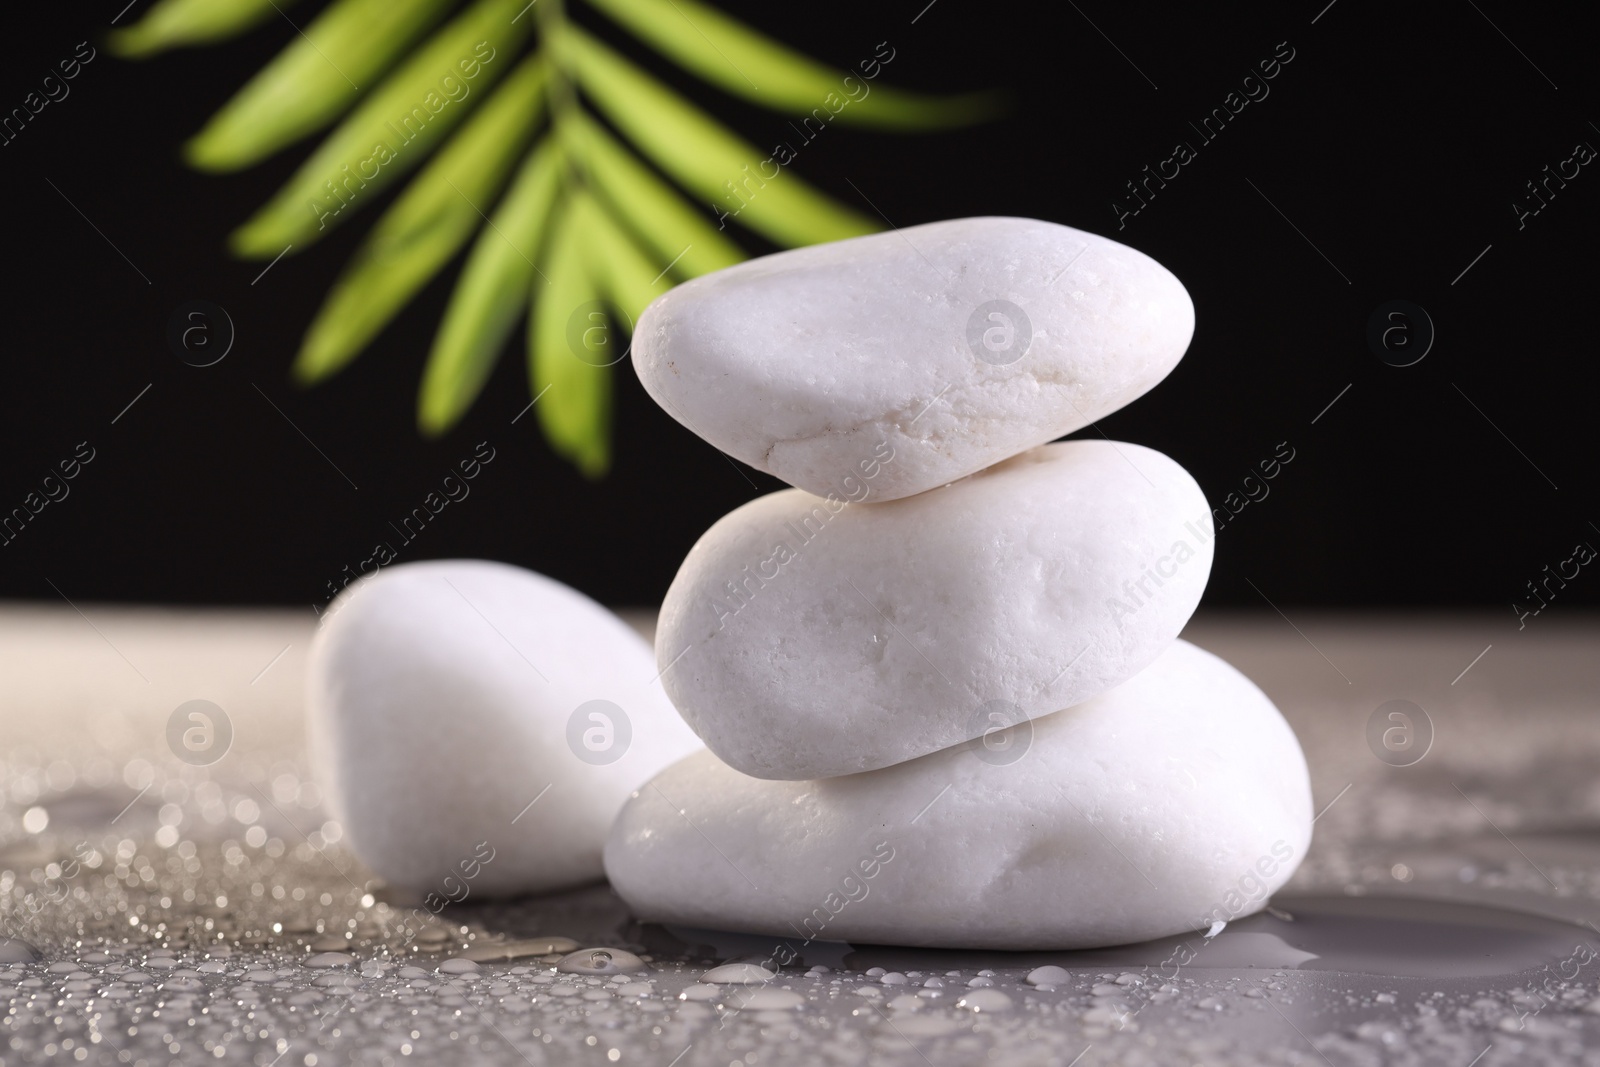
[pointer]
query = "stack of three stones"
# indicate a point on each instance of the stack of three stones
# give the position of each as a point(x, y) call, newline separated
point(940, 680)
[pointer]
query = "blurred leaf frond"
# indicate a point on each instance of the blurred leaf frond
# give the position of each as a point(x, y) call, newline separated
point(498, 107)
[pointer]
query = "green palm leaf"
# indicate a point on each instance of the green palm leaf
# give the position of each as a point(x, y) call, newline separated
point(490, 295)
point(674, 229)
point(427, 225)
point(568, 350)
point(701, 154)
point(733, 57)
point(370, 291)
point(588, 233)
point(625, 272)
point(176, 23)
point(312, 81)
point(391, 132)
point(473, 164)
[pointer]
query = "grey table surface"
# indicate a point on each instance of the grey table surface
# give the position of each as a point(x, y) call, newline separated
point(159, 912)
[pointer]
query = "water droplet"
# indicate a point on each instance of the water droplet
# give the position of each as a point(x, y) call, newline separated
point(767, 999)
point(1049, 976)
point(499, 951)
point(600, 961)
point(330, 959)
point(738, 974)
point(981, 1000)
point(700, 991)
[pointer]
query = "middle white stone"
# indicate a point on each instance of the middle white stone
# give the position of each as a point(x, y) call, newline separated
point(807, 637)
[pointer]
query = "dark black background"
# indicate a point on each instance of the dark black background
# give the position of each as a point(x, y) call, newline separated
point(1396, 141)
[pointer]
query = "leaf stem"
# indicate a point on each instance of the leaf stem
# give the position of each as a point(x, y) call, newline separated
point(563, 91)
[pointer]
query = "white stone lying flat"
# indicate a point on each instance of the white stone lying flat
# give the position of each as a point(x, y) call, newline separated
point(804, 640)
point(1177, 799)
point(442, 698)
point(817, 363)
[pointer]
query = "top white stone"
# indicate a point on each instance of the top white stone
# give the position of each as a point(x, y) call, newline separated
point(958, 344)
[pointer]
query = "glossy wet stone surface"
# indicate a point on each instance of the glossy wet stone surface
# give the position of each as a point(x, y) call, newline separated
point(158, 912)
point(217, 950)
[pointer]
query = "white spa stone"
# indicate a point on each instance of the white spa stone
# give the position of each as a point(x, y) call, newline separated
point(441, 699)
point(801, 640)
point(1175, 800)
point(949, 346)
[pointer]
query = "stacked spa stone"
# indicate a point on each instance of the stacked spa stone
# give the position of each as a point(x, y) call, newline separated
point(940, 680)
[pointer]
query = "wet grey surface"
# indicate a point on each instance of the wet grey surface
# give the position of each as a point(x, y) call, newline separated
point(157, 911)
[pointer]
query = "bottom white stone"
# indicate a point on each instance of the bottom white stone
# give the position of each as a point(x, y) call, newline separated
point(1175, 800)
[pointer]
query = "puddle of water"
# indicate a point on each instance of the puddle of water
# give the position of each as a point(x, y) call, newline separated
point(1388, 936)
point(1415, 937)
